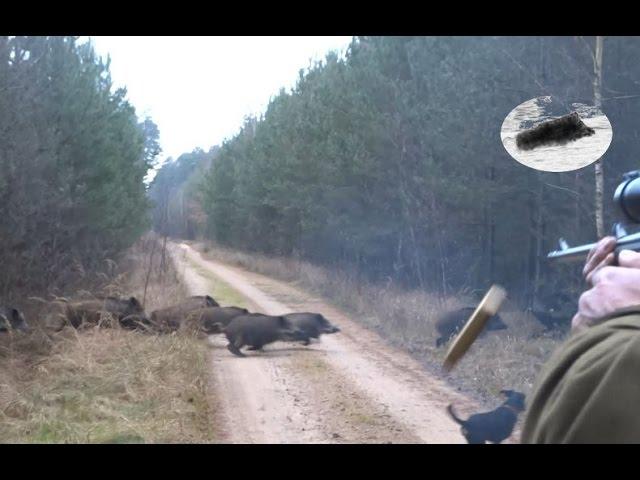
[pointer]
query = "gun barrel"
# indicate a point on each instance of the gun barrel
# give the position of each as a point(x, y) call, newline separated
point(628, 242)
point(571, 254)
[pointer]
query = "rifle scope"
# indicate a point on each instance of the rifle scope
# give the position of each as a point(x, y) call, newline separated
point(627, 196)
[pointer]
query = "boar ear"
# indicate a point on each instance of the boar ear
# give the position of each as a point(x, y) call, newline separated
point(15, 313)
point(133, 301)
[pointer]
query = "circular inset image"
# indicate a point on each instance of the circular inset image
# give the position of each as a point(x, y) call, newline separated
point(552, 136)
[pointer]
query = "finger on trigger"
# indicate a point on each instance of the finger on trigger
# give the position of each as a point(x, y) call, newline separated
point(592, 257)
point(598, 252)
point(609, 260)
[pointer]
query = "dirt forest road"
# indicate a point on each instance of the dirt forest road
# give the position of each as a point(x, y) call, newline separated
point(350, 387)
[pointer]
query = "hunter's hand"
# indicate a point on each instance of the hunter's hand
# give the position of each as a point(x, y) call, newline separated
point(600, 256)
point(614, 289)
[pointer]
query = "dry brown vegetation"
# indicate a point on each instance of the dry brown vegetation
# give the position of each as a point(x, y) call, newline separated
point(506, 359)
point(108, 384)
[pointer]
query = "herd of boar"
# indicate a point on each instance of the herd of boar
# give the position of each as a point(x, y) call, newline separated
point(451, 323)
point(255, 330)
point(242, 328)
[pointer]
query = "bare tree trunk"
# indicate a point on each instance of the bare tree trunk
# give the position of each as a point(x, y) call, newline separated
point(536, 211)
point(599, 173)
point(164, 253)
point(398, 264)
point(164, 228)
point(492, 228)
point(539, 238)
point(146, 283)
point(183, 218)
point(577, 280)
point(408, 214)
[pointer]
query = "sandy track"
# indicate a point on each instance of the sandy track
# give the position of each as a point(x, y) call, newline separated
point(256, 404)
point(350, 387)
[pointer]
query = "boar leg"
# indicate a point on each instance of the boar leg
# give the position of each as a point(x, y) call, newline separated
point(235, 350)
point(235, 345)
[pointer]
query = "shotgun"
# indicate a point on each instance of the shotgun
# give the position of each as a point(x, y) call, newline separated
point(627, 197)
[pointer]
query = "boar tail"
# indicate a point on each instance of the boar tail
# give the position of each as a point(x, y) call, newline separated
point(453, 415)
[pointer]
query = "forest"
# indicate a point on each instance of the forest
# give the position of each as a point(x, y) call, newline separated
point(72, 163)
point(388, 162)
point(385, 161)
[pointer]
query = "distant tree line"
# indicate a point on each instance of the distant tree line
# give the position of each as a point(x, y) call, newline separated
point(389, 162)
point(73, 156)
point(177, 210)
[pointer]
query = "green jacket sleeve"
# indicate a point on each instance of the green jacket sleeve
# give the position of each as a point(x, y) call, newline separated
point(589, 391)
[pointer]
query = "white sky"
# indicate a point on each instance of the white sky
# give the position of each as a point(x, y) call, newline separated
point(199, 89)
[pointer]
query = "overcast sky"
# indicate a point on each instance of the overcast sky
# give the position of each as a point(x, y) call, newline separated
point(199, 89)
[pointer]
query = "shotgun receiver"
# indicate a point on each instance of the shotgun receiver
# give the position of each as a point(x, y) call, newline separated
point(627, 197)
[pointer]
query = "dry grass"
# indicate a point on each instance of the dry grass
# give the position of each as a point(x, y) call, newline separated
point(108, 385)
point(507, 359)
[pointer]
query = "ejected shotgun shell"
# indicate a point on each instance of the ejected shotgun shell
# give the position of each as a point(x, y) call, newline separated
point(487, 308)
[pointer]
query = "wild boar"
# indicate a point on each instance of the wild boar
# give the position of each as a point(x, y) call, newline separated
point(95, 312)
point(12, 319)
point(256, 330)
point(171, 318)
point(452, 322)
point(310, 325)
point(212, 319)
point(558, 131)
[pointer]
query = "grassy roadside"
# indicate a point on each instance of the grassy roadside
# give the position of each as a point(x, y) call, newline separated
point(508, 359)
point(109, 385)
